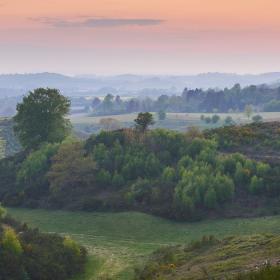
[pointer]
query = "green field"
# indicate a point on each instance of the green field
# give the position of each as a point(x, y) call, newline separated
point(116, 241)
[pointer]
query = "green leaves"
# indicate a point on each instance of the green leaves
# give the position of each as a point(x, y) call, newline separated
point(143, 121)
point(11, 242)
point(41, 118)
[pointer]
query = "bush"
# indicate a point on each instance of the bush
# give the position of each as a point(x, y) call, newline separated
point(215, 118)
point(257, 118)
point(29, 254)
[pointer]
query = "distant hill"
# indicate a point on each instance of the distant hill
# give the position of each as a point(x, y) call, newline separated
point(17, 84)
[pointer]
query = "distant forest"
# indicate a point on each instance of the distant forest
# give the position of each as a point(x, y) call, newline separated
point(235, 99)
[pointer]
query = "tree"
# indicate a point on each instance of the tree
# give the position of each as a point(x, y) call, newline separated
point(193, 132)
point(108, 103)
point(248, 111)
point(207, 120)
point(161, 115)
point(118, 180)
point(11, 242)
point(228, 121)
point(3, 212)
point(257, 118)
point(215, 118)
point(169, 175)
point(256, 185)
point(71, 169)
point(41, 118)
point(143, 121)
point(33, 169)
point(210, 199)
point(224, 188)
point(95, 103)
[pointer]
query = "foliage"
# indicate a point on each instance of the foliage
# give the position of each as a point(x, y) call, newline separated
point(36, 165)
point(265, 273)
point(248, 111)
point(233, 99)
point(177, 175)
point(161, 115)
point(10, 242)
point(228, 121)
point(41, 118)
point(29, 254)
point(3, 212)
point(258, 137)
point(272, 106)
point(215, 118)
point(143, 121)
point(215, 259)
point(257, 118)
point(71, 169)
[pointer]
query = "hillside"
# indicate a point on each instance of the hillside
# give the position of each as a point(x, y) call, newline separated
point(259, 141)
point(29, 254)
point(211, 258)
point(181, 176)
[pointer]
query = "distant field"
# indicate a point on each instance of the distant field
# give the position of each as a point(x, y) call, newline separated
point(175, 121)
point(267, 116)
point(118, 240)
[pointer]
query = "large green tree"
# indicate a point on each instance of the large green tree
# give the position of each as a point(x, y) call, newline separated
point(143, 121)
point(41, 117)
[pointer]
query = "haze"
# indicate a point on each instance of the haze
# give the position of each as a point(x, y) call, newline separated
point(139, 36)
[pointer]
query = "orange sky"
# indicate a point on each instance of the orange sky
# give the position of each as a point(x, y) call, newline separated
point(139, 36)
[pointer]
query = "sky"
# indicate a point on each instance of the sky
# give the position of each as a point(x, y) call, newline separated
point(107, 37)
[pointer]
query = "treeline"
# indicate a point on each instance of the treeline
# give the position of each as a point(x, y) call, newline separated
point(29, 254)
point(232, 99)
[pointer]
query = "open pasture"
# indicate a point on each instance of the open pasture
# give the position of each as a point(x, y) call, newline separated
point(118, 240)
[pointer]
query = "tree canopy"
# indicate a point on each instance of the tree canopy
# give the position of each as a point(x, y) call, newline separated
point(41, 117)
point(143, 121)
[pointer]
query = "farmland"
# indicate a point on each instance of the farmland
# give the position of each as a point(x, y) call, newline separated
point(118, 241)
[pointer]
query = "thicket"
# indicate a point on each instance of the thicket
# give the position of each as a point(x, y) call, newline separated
point(256, 135)
point(27, 254)
point(169, 173)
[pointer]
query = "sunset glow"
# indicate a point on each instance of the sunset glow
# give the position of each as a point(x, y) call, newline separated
point(139, 36)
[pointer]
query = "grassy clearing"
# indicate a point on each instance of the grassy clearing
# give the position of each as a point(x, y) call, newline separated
point(118, 240)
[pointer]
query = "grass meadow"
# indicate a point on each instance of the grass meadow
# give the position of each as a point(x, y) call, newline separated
point(173, 121)
point(118, 241)
point(267, 116)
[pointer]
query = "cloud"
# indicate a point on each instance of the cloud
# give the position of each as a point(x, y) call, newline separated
point(94, 22)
